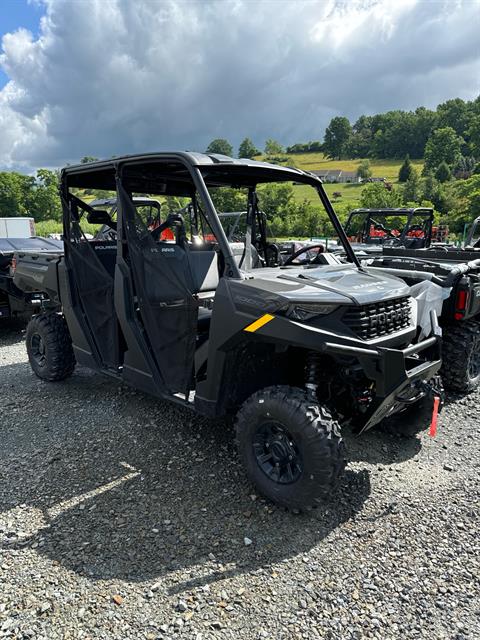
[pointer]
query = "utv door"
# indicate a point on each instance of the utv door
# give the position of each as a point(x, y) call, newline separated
point(155, 304)
point(90, 312)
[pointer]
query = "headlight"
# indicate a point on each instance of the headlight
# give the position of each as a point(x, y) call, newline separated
point(308, 311)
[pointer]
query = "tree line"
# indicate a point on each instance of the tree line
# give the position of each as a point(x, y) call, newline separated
point(454, 124)
point(31, 196)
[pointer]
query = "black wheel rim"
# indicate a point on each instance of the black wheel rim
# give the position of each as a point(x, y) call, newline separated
point(38, 350)
point(474, 364)
point(277, 454)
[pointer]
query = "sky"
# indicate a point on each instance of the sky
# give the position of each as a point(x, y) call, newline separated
point(110, 77)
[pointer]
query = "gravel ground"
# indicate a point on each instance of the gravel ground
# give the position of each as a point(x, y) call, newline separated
point(123, 517)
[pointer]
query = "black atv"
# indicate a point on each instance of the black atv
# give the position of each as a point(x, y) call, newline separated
point(292, 351)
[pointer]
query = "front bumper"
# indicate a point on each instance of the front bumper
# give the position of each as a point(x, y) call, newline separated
point(399, 375)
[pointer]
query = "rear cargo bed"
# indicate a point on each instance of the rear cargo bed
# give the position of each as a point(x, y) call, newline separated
point(9, 246)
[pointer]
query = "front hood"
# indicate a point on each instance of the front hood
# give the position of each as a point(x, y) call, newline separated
point(335, 284)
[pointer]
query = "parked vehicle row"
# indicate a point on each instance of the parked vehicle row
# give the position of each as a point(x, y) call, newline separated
point(401, 242)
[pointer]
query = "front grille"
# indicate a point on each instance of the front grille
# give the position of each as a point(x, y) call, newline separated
point(370, 321)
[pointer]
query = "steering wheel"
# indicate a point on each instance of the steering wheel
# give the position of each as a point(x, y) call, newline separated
point(294, 256)
point(392, 242)
point(378, 226)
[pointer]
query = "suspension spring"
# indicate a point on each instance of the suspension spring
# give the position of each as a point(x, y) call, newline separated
point(312, 371)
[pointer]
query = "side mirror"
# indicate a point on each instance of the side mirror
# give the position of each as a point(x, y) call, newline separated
point(99, 216)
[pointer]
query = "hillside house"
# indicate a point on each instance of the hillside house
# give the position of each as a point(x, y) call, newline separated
point(336, 175)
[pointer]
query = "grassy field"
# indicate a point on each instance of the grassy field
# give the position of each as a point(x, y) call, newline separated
point(350, 197)
point(381, 168)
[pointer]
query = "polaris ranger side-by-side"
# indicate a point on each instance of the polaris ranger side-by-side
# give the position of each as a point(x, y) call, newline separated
point(413, 255)
point(292, 351)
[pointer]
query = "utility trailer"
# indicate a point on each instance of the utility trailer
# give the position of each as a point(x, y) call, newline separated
point(292, 352)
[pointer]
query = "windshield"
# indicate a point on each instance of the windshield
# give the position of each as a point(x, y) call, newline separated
point(279, 223)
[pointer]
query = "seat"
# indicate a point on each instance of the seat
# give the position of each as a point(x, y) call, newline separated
point(204, 270)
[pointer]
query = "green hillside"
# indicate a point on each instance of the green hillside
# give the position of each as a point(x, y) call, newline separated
point(350, 197)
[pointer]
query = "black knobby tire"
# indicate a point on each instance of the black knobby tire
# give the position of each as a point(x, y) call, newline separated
point(461, 356)
point(312, 435)
point(49, 347)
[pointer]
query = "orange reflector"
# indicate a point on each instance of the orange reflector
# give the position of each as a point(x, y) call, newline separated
point(259, 323)
point(433, 425)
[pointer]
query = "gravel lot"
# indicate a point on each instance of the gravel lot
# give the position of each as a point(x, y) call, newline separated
point(122, 517)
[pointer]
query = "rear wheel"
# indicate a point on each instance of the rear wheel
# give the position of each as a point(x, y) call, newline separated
point(49, 347)
point(461, 357)
point(290, 446)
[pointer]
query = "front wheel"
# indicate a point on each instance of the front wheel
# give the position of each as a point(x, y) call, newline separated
point(290, 446)
point(49, 347)
point(461, 356)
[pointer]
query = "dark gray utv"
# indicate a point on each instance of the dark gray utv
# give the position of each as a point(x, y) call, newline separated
point(292, 352)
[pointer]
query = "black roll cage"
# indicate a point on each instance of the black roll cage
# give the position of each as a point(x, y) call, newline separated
point(200, 170)
point(425, 212)
point(471, 233)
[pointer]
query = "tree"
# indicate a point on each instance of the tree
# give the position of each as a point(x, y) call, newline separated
point(14, 191)
point(360, 142)
point(247, 149)
point(455, 114)
point(87, 159)
point(277, 199)
point(405, 170)
point(228, 199)
point(464, 166)
point(473, 134)
point(462, 201)
point(429, 187)
point(426, 121)
point(443, 173)
point(363, 170)
point(220, 145)
point(43, 201)
point(272, 147)
point(444, 145)
point(305, 147)
point(337, 135)
point(412, 188)
point(375, 195)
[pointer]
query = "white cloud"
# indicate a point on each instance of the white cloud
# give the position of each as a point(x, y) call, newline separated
point(107, 77)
